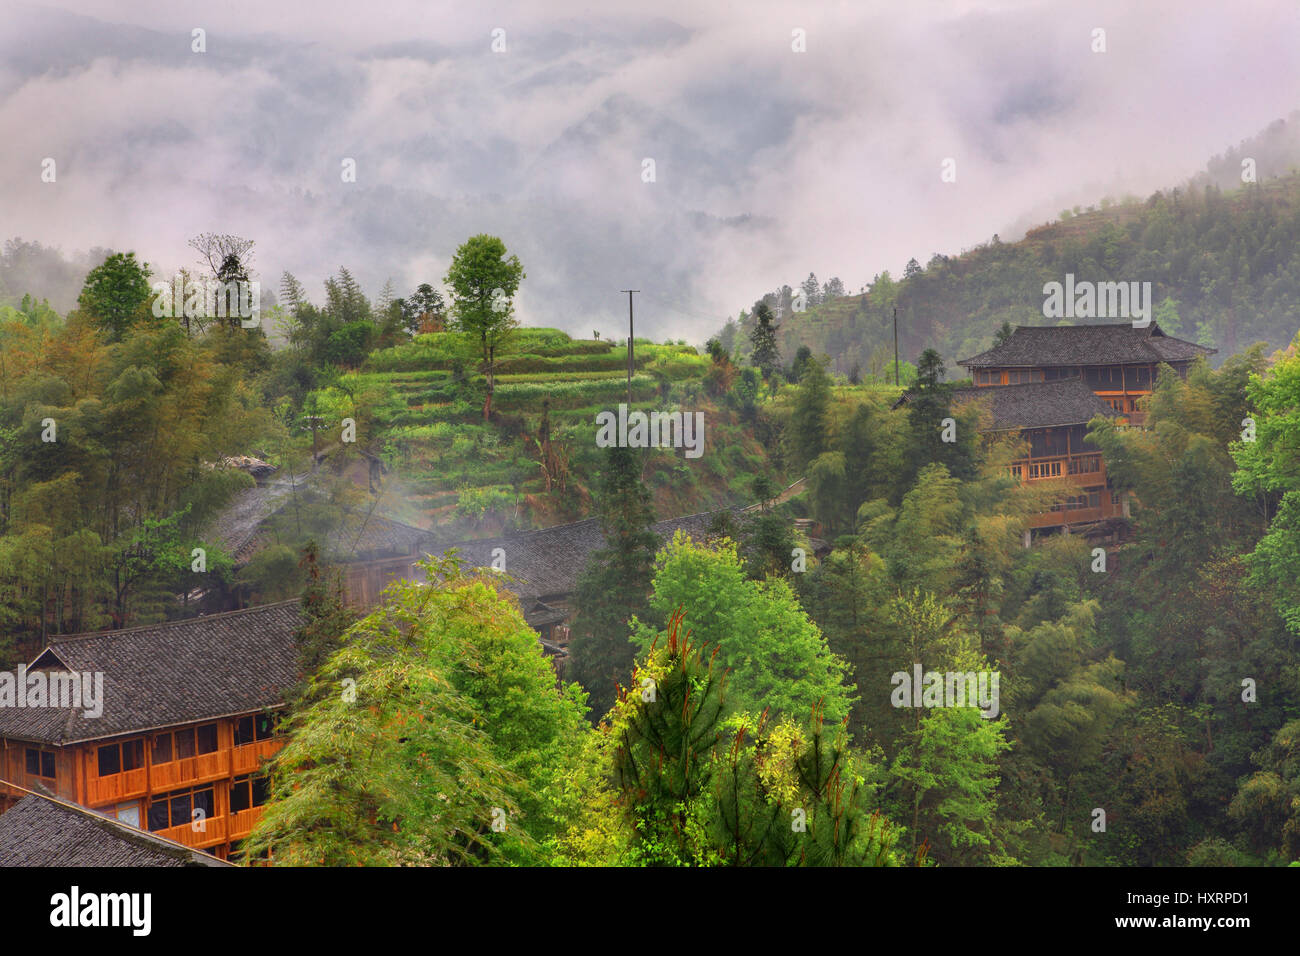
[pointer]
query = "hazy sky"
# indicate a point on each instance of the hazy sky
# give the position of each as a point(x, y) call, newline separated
point(769, 163)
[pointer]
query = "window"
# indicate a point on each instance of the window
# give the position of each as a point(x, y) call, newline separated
point(184, 743)
point(206, 737)
point(177, 808)
point(127, 813)
point(248, 792)
point(114, 758)
point(110, 760)
point(162, 748)
point(1044, 469)
point(240, 798)
point(1085, 466)
point(253, 728)
point(1019, 376)
point(40, 763)
point(1114, 497)
point(133, 755)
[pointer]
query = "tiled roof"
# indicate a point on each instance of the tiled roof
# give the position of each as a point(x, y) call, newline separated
point(39, 831)
point(1038, 404)
point(1112, 344)
point(167, 674)
point(236, 527)
point(363, 536)
point(546, 563)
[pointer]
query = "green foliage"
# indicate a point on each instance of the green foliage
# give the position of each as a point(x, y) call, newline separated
point(615, 582)
point(116, 293)
point(436, 712)
point(483, 283)
point(777, 659)
point(689, 788)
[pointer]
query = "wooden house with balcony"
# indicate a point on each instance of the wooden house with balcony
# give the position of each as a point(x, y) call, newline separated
point(1052, 420)
point(1048, 382)
point(188, 716)
point(1118, 362)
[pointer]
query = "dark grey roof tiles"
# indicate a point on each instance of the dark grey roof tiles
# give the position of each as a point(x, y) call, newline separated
point(1038, 404)
point(39, 831)
point(1111, 344)
point(167, 674)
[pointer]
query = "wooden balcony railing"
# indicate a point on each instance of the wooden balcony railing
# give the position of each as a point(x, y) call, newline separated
point(188, 770)
point(117, 787)
point(242, 822)
point(249, 757)
point(1086, 469)
point(214, 831)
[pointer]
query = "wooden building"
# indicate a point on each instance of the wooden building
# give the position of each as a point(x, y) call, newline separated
point(189, 713)
point(1048, 382)
point(1118, 362)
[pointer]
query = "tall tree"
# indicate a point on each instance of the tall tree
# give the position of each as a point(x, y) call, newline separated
point(777, 658)
point(116, 292)
point(614, 585)
point(766, 357)
point(483, 282)
point(434, 735)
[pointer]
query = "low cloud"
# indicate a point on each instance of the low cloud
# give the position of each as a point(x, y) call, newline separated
point(768, 163)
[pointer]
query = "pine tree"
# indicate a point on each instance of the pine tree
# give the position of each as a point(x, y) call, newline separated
point(766, 357)
point(614, 585)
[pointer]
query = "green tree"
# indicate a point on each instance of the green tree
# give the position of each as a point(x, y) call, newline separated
point(776, 657)
point(435, 734)
point(766, 357)
point(614, 585)
point(116, 292)
point(807, 434)
point(483, 282)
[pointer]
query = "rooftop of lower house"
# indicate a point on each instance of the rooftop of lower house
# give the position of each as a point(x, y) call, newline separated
point(42, 831)
point(1045, 346)
point(1038, 404)
point(165, 675)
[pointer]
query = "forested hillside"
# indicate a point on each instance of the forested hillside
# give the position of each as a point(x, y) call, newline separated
point(1222, 257)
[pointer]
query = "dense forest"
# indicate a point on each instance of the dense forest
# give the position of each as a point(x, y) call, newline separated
point(732, 698)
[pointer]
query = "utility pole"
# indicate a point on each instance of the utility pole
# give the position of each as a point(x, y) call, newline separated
point(895, 346)
point(629, 346)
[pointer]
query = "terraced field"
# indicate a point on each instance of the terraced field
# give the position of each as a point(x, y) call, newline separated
point(420, 408)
